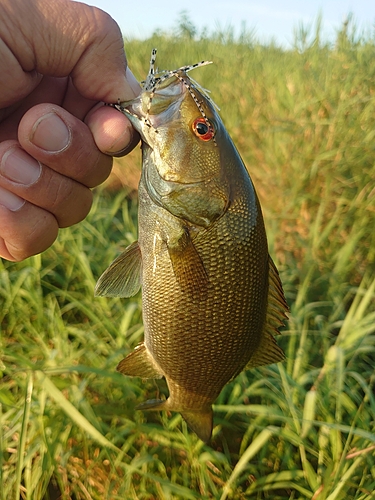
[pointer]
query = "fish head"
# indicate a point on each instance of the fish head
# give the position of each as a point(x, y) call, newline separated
point(183, 139)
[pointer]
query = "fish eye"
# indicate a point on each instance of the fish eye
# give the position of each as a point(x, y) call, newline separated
point(202, 129)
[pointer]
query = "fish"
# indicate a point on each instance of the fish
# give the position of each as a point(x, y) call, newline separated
point(212, 299)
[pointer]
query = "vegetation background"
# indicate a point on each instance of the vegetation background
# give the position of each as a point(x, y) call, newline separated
point(304, 122)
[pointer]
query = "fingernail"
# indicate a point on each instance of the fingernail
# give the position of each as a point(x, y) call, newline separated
point(50, 133)
point(132, 83)
point(10, 201)
point(17, 166)
point(133, 141)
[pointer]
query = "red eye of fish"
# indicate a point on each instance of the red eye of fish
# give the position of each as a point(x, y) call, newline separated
point(202, 130)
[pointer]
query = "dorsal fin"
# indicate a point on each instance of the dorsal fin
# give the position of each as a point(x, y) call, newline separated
point(268, 351)
point(276, 306)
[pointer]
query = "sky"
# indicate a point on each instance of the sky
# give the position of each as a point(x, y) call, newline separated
point(269, 18)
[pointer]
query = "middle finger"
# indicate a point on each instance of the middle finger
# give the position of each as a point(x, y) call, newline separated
point(68, 200)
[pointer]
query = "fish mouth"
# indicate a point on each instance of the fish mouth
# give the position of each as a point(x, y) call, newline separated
point(156, 108)
point(161, 97)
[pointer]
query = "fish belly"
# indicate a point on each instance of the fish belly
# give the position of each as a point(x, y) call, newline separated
point(201, 340)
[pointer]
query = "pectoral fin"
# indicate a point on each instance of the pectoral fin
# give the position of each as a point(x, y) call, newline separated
point(139, 363)
point(188, 267)
point(268, 351)
point(123, 276)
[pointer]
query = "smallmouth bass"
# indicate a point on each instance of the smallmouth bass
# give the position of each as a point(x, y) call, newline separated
point(211, 295)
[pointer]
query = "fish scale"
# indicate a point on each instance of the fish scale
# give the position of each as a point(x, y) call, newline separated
point(211, 296)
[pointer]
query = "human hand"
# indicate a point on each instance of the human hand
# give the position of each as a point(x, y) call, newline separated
point(58, 60)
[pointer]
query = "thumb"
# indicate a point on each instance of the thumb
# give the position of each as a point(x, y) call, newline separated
point(64, 38)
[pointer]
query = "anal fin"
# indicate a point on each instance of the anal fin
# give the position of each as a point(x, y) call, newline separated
point(123, 277)
point(139, 363)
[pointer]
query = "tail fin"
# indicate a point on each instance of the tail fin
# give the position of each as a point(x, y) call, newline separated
point(201, 422)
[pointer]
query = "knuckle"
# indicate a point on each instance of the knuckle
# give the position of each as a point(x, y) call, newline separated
point(98, 170)
point(69, 202)
point(32, 234)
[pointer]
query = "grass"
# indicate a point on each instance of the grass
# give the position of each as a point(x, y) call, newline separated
point(304, 121)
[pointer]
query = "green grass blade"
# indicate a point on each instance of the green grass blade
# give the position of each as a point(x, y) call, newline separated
point(72, 412)
point(250, 452)
point(23, 435)
point(2, 452)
